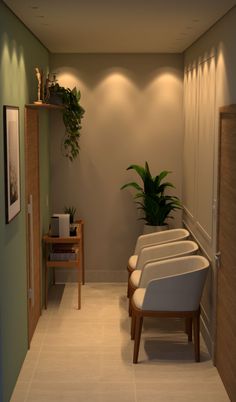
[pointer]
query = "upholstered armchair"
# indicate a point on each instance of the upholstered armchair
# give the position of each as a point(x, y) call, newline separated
point(170, 288)
point(157, 253)
point(153, 239)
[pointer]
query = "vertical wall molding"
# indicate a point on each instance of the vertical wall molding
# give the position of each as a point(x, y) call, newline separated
point(199, 142)
point(199, 168)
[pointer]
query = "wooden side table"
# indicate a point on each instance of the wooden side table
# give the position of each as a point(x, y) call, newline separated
point(78, 263)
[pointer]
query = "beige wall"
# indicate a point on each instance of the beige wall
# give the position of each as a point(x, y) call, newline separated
point(218, 42)
point(134, 112)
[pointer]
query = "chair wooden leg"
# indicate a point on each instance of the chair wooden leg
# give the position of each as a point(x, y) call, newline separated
point(130, 307)
point(133, 321)
point(137, 336)
point(196, 326)
point(188, 328)
point(131, 292)
point(128, 287)
point(128, 290)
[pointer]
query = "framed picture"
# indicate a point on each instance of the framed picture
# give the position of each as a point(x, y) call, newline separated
point(12, 161)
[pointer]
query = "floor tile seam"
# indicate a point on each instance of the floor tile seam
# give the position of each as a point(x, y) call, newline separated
point(96, 380)
point(27, 383)
point(170, 381)
point(133, 371)
point(34, 369)
point(159, 391)
point(135, 389)
point(48, 320)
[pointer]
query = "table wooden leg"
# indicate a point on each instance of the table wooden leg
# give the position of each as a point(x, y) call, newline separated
point(54, 277)
point(46, 287)
point(82, 253)
point(79, 287)
point(79, 295)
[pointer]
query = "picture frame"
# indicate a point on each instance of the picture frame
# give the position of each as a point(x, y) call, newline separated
point(12, 161)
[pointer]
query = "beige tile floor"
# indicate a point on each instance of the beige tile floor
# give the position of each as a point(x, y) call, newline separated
point(86, 355)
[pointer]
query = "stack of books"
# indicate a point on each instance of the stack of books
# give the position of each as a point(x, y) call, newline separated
point(63, 252)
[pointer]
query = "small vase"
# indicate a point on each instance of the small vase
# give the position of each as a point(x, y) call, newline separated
point(151, 229)
point(55, 100)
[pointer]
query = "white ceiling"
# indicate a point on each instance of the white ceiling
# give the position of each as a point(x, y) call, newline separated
point(119, 26)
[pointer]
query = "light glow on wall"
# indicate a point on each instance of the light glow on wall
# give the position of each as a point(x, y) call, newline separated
point(13, 66)
point(164, 87)
point(223, 77)
point(67, 79)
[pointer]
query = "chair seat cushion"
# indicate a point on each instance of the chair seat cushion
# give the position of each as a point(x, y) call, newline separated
point(132, 263)
point(135, 278)
point(138, 297)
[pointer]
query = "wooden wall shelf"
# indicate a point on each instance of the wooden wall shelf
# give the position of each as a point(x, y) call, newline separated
point(48, 106)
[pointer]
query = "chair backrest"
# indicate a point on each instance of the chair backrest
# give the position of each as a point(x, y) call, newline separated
point(166, 251)
point(179, 288)
point(170, 267)
point(156, 238)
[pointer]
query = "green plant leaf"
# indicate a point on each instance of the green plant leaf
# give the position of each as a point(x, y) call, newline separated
point(139, 169)
point(133, 184)
point(72, 115)
point(154, 203)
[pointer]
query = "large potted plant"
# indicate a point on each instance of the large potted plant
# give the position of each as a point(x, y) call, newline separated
point(72, 115)
point(152, 198)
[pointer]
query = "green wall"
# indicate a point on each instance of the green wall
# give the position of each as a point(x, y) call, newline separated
point(20, 53)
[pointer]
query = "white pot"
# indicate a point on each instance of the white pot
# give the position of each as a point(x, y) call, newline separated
point(151, 229)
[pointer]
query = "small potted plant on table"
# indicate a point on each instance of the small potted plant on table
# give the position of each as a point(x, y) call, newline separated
point(71, 211)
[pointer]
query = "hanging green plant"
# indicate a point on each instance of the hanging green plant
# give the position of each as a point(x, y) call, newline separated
point(72, 115)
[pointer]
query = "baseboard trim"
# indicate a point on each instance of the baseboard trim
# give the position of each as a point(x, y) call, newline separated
point(70, 275)
point(204, 328)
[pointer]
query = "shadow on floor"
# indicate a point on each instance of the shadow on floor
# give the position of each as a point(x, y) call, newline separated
point(170, 350)
point(55, 294)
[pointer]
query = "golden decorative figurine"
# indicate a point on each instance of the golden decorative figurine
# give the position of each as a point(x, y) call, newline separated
point(39, 78)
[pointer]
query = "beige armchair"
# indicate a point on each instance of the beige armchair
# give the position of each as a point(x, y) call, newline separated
point(157, 253)
point(170, 288)
point(153, 239)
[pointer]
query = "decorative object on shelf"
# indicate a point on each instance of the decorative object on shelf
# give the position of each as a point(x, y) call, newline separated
point(50, 82)
point(46, 89)
point(153, 201)
point(39, 76)
point(63, 252)
point(71, 211)
point(63, 225)
point(72, 115)
point(12, 161)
